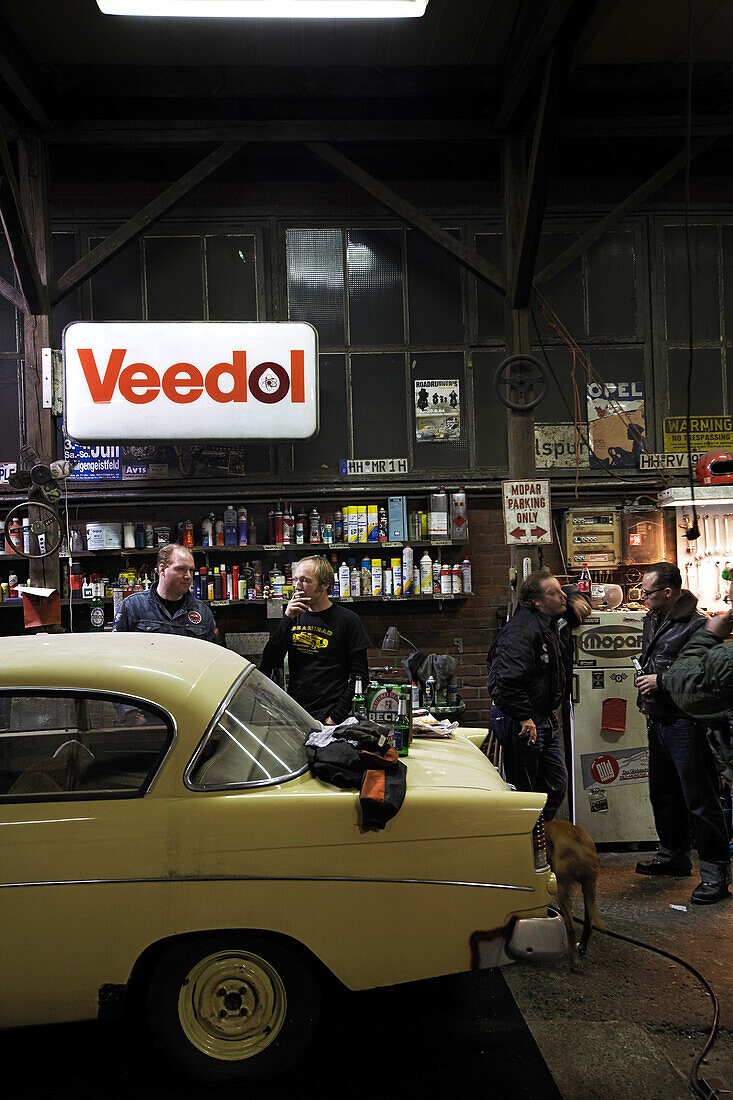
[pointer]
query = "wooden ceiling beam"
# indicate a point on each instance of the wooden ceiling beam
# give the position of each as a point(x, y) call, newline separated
point(632, 202)
point(18, 236)
point(534, 34)
point(84, 268)
point(8, 291)
point(409, 214)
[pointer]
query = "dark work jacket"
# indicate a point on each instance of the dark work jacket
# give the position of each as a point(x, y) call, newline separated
point(663, 636)
point(528, 665)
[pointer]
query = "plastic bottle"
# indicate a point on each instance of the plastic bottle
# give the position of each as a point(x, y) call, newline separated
point(408, 584)
point(139, 543)
point(426, 575)
point(366, 577)
point(344, 579)
point(585, 580)
point(466, 580)
point(219, 532)
point(204, 583)
point(242, 526)
point(387, 588)
point(207, 531)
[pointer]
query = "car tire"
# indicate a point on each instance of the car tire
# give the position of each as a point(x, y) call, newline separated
point(230, 1009)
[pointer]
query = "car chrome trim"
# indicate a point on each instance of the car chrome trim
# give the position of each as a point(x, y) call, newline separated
point(268, 878)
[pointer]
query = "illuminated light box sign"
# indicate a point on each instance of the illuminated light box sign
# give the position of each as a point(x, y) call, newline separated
point(192, 380)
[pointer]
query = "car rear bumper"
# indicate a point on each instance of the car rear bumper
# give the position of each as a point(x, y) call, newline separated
point(537, 939)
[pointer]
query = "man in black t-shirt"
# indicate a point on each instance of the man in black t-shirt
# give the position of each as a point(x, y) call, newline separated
point(326, 645)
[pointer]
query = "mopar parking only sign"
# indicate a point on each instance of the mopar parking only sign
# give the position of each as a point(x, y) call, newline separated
point(527, 511)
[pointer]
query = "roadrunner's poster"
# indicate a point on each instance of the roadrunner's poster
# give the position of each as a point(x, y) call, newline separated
point(437, 410)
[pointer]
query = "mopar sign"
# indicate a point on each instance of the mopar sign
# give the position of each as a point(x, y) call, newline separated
point(611, 641)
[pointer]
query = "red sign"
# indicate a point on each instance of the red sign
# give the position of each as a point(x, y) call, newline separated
point(605, 769)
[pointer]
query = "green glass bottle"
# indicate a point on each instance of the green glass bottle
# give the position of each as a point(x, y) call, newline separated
point(358, 705)
point(402, 729)
point(96, 611)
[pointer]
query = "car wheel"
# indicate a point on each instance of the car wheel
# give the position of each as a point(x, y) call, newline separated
point(227, 1011)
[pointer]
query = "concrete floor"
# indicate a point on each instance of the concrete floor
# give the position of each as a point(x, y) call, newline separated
point(630, 1022)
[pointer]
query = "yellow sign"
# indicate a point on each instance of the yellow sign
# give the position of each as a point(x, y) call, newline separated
point(706, 433)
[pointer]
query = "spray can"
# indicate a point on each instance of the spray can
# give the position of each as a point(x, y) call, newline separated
point(219, 532)
point(207, 531)
point(314, 532)
point(382, 526)
point(436, 577)
point(230, 526)
point(355, 581)
point(377, 578)
point(397, 576)
point(366, 577)
point(407, 572)
point(387, 588)
point(300, 526)
point(455, 580)
point(288, 524)
point(445, 580)
point(338, 526)
point(344, 579)
point(466, 576)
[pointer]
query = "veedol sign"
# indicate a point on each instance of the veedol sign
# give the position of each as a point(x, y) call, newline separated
point(190, 380)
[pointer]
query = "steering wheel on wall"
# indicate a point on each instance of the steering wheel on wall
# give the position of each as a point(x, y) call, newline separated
point(519, 383)
point(45, 528)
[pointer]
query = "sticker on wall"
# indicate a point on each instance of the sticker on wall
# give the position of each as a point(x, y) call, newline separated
point(93, 463)
point(6, 469)
point(616, 426)
point(615, 767)
point(598, 679)
point(598, 801)
point(706, 432)
point(555, 446)
point(437, 410)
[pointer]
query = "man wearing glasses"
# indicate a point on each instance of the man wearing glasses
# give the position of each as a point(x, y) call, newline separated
point(682, 775)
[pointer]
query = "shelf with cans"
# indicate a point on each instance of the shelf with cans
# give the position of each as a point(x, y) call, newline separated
point(368, 564)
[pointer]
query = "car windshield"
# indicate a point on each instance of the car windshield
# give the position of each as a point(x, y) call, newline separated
point(259, 738)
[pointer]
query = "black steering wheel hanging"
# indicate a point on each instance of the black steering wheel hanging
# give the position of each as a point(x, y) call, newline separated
point(46, 525)
point(519, 383)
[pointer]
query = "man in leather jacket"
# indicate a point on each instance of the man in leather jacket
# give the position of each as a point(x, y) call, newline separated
point(528, 679)
point(682, 775)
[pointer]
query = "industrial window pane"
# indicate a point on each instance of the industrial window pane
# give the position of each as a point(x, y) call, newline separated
point(728, 282)
point(69, 308)
point(705, 276)
point(374, 266)
point(489, 302)
point(434, 285)
point(379, 406)
point(117, 287)
point(565, 292)
point(489, 414)
point(707, 381)
point(332, 441)
point(316, 281)
point(9, 412)
point(558, 404)
point(231, 278)
point(173, 279)
point(612, 286)
point(449, 454)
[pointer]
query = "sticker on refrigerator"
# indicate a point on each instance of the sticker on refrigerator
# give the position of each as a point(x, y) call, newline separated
point(598, 680)
point(615, 768)
point(597, 801)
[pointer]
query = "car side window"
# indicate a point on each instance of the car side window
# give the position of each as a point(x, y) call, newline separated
point(78, 745)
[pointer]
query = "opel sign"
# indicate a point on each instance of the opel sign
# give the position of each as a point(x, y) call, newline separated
point(204, 381)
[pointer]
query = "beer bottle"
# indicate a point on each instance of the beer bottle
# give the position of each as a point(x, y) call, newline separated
point(402, 729)
point(358, 705)
point(96, 611)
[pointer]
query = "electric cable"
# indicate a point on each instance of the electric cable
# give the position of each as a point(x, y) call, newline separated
point(584, 435)
point(694, 1083)
point(692, 532)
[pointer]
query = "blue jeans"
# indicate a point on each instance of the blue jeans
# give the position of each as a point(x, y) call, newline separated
point(537, 767)
point(683, 788)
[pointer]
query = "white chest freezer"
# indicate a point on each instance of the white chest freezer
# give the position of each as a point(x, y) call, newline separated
point(610, 766)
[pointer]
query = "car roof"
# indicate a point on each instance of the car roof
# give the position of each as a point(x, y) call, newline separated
point(161, 667)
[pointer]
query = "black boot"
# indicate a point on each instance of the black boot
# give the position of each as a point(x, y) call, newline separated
point(679, 867)
point(708, 892)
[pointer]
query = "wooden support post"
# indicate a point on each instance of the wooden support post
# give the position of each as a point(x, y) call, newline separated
point(40, 440)
point(520, 425)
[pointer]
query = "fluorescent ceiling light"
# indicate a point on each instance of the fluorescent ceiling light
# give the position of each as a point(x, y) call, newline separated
point(268, 9)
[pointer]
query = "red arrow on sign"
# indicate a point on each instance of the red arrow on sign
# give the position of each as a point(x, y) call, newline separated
point(537, 531)
point(517, 533)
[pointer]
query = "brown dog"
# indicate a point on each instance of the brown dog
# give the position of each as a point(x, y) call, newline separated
point(573, 857)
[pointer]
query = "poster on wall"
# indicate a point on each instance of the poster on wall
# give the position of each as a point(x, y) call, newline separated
point(149, 463)
point(616, 427)
point(437, 410)
point(93, 463)
point(555, 446)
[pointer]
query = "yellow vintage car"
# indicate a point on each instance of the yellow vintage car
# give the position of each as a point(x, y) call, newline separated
point(166, 852)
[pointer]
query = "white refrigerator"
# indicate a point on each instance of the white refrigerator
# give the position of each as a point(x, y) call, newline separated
point(610, 766)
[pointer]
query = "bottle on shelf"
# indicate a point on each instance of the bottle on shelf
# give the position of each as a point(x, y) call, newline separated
point(366, 577)
point(408, 576)
point(458, 521)
point(426, 575)
point(344, 580)
point(207, 530)
point(314, 526)
point(377, 577)
point(338, 526)
point(438, 517)
point(242, 526)
point(300, 527)
point(445, 579)
point(455, 580)
point(278, 524)
point(397, 576)
point(219, 532)
point(466, 579)
point(288, 525)
point(382, 526)
point(354, 579)
point(140, 538)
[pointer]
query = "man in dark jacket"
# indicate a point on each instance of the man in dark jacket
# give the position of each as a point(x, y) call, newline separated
point(528, 680)
point(682, 776)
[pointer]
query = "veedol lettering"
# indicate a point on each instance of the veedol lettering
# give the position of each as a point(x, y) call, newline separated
point(183, 383)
